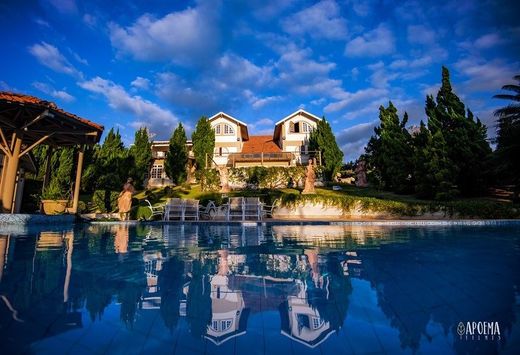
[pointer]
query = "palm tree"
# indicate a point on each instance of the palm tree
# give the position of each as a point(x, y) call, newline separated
point(508, 136)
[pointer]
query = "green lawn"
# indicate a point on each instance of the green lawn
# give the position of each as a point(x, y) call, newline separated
point(403, 205)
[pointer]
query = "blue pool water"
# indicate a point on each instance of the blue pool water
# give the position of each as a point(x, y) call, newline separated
point(259, 289)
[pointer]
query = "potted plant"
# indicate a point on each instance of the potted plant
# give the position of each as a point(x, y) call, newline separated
point(53, 199)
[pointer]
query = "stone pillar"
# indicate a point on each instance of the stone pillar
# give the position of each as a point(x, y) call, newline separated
point(10, 176)
point(77, 184)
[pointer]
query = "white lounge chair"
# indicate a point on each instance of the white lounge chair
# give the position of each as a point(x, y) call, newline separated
point(174, 209)
point(252, 208)
point(191, 209)
point(235, 208)
point(155, 211)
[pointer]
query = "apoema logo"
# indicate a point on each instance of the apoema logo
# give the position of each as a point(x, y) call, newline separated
point(478, 330)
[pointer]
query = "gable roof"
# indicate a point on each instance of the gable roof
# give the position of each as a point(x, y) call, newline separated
point(260, 144)
point(296, 113)
point(223, 114)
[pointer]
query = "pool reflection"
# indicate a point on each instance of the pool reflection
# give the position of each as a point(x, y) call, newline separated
point(257, 288)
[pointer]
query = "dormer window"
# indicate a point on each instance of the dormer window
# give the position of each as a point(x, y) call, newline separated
point(300, 127)
point(224, 129)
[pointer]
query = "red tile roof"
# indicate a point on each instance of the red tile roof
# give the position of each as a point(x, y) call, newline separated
point(260, 144)
point(31, 100)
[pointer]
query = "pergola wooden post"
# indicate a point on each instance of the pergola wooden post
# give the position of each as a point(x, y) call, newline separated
point(25, 123)
point(10, 174)
point(79, 169)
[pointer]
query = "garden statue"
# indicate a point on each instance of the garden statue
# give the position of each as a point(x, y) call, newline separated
point(361, 174)
point(310, 179)
point(224, 180)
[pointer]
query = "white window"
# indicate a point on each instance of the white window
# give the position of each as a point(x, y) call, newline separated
point(160, 154)
point(224, 129)
point(317, 322)
point(306, 128)
point(221, 325)
point(157, 171)
point(228, 129)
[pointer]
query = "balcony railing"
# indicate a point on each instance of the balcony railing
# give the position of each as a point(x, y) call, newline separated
point(297, 158)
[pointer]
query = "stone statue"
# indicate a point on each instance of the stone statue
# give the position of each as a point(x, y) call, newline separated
point(361, 174)
point(224, 180)
point(310, 179)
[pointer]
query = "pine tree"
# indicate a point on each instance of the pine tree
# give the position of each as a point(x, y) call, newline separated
point(322, 139)
point(465, 137)
point(390, 151)
point(141, 152)
point(203, 142)
point(507, 154)
point(177, 156)
point(433, 174)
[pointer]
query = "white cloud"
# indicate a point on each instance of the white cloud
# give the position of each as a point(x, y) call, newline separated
point(141, 83)
point(146, 113)
point(49, 90)
point(414, 63)
point(4, 86)
point(185, 37)
point(485, 75)
point(50, 56)
point(64, 6)
point(322, 20)
point(374, 43)
point(42, 22)
point(420, 34)
point(355, 97)
point(353, 140)
point(261, 102)
point(89, 20)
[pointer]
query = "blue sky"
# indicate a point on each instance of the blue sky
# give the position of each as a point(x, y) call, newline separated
point(156, 63)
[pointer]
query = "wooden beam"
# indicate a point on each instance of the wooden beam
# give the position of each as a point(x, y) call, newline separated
point(27, 150)
point(4, 146)
point(36, 119)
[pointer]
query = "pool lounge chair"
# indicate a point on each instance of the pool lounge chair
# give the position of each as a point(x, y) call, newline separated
point(191, 210)
point(235, 208)
point(155, 211)
point(252, 208)
point(174, 209)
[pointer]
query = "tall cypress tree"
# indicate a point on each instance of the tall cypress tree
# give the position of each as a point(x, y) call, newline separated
point(177, 156)
point(465, 137)
point(390, 151)
point(141, 152)
point(203, 142)
point(322, 139)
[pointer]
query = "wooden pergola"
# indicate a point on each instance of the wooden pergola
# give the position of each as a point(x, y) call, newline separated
point(25, 123)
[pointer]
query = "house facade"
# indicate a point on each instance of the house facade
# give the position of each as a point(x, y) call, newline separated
point(235, 147)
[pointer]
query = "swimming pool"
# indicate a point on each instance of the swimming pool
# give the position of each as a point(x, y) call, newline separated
point(260, 288)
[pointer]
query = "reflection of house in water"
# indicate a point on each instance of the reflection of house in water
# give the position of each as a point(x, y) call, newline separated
point(229, 315)
point(301, 322)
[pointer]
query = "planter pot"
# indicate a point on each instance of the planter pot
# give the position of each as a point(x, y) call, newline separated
point(51, 207)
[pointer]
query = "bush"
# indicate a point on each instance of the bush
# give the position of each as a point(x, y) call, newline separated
point(105, 200)
point(209, 179)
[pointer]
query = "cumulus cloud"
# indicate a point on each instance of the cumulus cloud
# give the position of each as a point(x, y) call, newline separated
point(355, 97)
point(50, 56)
point(49, 90)
point(64, 6)
point(374, 43)
point(141, 83)
point(353, 140)
point(184, 37)
point(421, 34)
point(322, 20)
point(146, 113)
point(485, 75)
point(258, 103)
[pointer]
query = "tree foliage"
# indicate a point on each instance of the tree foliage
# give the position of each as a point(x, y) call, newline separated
point(177, 156)
point(322, 139)
point(141, 153)
point(391, 151)
point(203, 142)
point(443, 158)
point(507, 155)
